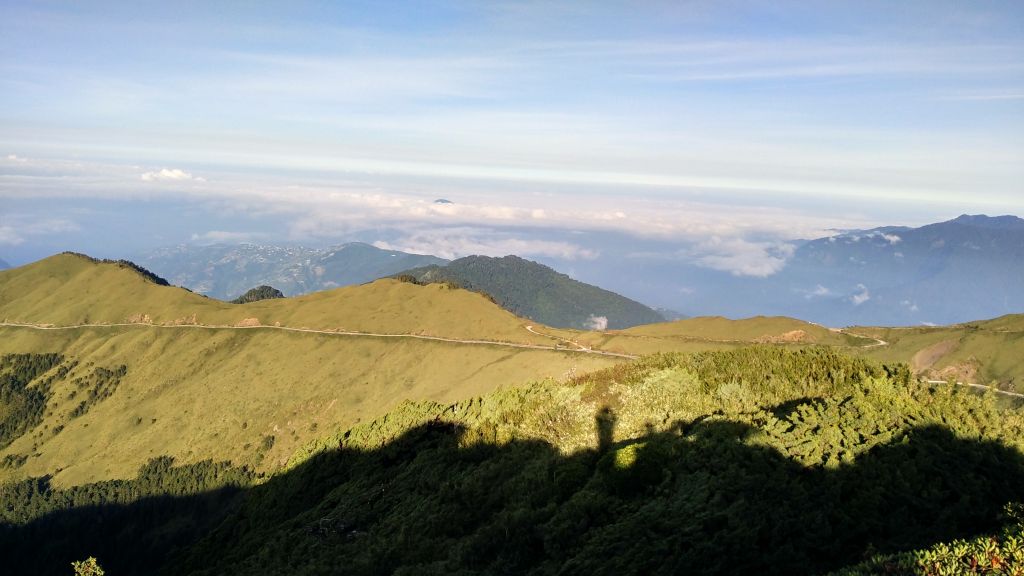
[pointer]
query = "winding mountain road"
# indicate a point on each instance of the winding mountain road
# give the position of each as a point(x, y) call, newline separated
point(349, 333)
point(579, 348)
point(978, 387)
point(878, 341)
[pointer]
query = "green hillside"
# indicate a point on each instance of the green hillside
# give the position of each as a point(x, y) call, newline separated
point(258, 293)
point(534, 291)
point(196, 378)
point(984, 352)
point(70, 289)
point(711, 333)
point(756, 461)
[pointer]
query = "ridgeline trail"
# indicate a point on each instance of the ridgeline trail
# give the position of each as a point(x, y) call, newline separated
point(579, 348)
point(978, 387)
point(348, 333)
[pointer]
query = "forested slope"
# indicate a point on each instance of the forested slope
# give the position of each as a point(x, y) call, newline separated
point(537, 292)
point(760, 460)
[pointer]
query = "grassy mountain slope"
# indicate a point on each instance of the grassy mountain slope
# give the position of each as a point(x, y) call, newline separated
point(68, 289)
point(985, 352)
point(537, 292)
point(749, 329)
point(678, 464)
point(989, 352)
point(248, 394)
point(71, 289)
point(711, 333)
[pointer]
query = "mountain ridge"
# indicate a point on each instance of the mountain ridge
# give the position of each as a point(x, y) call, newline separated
point(225, 271)
point(149, 361)
point(541, 293)
point(942, 273)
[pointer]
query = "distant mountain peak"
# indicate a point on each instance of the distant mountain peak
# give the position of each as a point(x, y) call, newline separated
point(258, 293)
point(994, 222)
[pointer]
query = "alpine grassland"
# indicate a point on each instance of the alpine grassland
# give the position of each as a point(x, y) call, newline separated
point(989, 352)
point(195, 380)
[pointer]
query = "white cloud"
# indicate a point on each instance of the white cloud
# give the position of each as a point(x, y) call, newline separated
point(169, 174)
point(741, 257)
point(459, 242)
point(863, 296)
point(890, 238)
point(323, 206)
point(817, 292)
point(596, 323)
point(17, 159)
point(909, 305)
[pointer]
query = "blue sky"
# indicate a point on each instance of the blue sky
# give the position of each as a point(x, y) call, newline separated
point(728, 128)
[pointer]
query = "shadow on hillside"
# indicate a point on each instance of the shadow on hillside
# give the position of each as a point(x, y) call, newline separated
point(439, 500)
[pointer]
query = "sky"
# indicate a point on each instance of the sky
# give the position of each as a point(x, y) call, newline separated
point(568, 132)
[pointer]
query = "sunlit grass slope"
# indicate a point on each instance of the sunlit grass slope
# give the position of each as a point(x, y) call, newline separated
point(712, 333)
point(247, 395)
point(984, 352)
point(69, 289)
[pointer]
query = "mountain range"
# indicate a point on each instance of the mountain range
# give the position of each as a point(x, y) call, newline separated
point(954, 271)
point(225, 271)
point(523, 287)
point(948, 272)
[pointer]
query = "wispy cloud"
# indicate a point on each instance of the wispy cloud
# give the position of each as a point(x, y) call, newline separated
point(16, 229)
point(909, 305)
point(169, 174)
point(818, 291)
point(741, 257)
point(459, 242)
point(862, 295)
point(987, 96)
